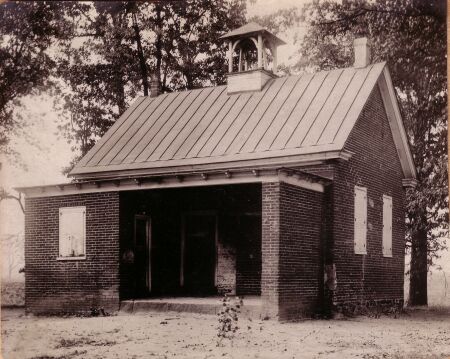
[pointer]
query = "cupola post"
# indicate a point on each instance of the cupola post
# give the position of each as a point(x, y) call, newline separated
point(260, 51)
point(230, 56)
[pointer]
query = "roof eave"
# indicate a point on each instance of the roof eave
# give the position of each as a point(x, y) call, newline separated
point(237, 35)
point(274, 162)
point(396, 123)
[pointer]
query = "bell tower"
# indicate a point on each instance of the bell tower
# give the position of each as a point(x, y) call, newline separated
point(252, 57)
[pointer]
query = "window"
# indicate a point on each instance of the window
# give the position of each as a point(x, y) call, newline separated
point(72, 233)
point(360, 215)
point(387, 226)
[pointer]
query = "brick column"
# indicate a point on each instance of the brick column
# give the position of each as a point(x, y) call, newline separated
point(270, 248)
point(291, 251)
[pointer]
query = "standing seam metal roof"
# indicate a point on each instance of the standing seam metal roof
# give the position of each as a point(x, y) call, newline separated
point(292, 115)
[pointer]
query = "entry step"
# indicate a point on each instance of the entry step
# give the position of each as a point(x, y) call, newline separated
point(252, 307)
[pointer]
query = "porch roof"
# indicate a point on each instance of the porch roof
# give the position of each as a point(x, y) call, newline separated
point(294, 176)
point(292, 119)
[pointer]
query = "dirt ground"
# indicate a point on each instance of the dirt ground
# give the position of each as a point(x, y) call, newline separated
point(423, 333)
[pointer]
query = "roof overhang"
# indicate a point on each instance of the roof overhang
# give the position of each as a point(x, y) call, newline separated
point(251, 29)
point(396, 124)
point(283, 158)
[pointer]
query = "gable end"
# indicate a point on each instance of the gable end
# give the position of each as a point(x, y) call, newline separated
point(396, 124)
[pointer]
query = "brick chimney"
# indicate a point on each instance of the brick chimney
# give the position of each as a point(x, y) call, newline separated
point(155, 88)
point(362, 53)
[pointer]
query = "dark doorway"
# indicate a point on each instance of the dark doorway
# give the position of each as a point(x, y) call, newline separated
point(190, 228)
point(142, 260)
point(199, 257)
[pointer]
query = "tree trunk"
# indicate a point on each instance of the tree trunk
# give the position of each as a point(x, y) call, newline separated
point(120, 90)
point(141, 56)
point(158, 42)
point(419, 269)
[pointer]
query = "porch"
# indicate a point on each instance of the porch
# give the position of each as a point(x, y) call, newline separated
point(183, 248)
point(190, 242)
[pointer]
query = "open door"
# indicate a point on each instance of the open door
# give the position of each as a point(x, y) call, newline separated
point(142, 243)
point(198, 255)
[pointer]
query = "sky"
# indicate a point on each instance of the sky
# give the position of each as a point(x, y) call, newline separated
point(48, 153)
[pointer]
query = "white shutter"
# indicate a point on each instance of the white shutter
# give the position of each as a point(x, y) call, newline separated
point(72, 231)
point(387, 226)
point(360, 219)
point(64, 235)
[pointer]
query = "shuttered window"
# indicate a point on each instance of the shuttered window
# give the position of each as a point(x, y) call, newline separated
point(360, 218)
point(387, 226)
point(72, 232)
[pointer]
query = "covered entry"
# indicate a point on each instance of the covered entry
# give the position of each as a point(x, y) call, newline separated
point(198, 241)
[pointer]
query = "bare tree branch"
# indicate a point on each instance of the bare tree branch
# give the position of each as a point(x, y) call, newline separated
point(365, 10)
point(5, 196)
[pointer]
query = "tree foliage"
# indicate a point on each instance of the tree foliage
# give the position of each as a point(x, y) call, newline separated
point(411, 36)
point(27, 31)
point(117, 45)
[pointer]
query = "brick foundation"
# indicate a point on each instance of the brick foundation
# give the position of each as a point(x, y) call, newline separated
point(53, 286)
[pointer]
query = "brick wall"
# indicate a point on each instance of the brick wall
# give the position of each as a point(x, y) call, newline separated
point(374, 165)
point(291, 250)
point(70, 286)
point(300, 252)
point(270, 247)
point(226, 256)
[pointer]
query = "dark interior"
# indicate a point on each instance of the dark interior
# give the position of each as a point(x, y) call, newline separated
point(196, 218)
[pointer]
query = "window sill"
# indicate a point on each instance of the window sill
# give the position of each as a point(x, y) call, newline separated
point(387, 255)
point(79, 258)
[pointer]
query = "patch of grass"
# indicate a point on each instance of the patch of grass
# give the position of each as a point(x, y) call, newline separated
point(65, 356)
point(78, 342)
point(13, 294)
point(228, 318)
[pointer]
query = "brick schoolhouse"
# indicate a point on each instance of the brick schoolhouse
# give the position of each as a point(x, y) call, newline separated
point(287, 189)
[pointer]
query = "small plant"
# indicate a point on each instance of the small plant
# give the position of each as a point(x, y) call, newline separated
point(96, 312)
point(228, 318)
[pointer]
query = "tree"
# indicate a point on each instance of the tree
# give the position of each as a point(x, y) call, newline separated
point(116, 45)
point(4, 195)
point(12, 253)
point(27, 30)
point(411, 36)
